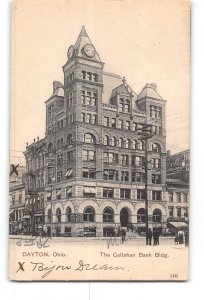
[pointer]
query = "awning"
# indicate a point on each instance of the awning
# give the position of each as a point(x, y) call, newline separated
point(69, 190)
point(90, 190)
point(26, 217)
point(11, 211)
point(69, 173)
point(58, 192)
point(178, 224)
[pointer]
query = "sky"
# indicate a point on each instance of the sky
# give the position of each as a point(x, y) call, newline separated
point(146, 41)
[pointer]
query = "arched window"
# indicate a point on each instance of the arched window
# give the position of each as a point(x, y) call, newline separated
point(89, 214)
point(140, 145)
point(127, 143)
point(157, 216)
point(89, 138)
point(134, 144)
point(106, 140)
point(58, 215)
point(113, 141)
point(50, 148)
point(68, 214)
point(61, 143)
point(58, 144)
point(141, 215)
point(156, 148)
point(49, 215)
point(69, 139)
point(108, 215)
point(120, 142)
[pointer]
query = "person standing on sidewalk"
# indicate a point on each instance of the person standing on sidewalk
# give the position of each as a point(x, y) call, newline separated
point(149, 235)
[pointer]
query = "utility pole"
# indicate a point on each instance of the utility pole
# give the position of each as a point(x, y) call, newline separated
point(145, 133)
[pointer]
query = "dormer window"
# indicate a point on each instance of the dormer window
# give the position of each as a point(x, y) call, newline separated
point(124, 105)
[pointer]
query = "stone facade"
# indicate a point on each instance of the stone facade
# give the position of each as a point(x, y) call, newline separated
point(88, 173)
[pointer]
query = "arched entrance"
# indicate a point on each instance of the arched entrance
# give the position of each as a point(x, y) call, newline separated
point(124, 217)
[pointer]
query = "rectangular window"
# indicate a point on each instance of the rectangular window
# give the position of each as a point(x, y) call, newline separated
point(89, 173)
point(127, 125)
point(88, 118)
point(178, 197)
point(171, 212)
point(137, 161)
point(120, 124)
point(59, 176)
point(110, 157)
point(170, 197)
point(94, 119)
point(108, 192)
point(134, 126)
point(113, 123)
point(110, 175)
point(20, 197)
point(106, 121)
point(60, 160)
point(95, 77)
point(70, 156)
point(94, 99)
point(155, 112)
point(83, 117)
point(124, 160)
point(140, 194)
point(88, 98)
point(89, 76)
point(185, 197)
point(156, 163)
point(185, 212)
point(83, 97)
point(156, 195)
point(138, 177)
point(127, 107)
point(88, 155)
point(156, 178)
point(178, 211)
point(125, 193)
point(124, 176)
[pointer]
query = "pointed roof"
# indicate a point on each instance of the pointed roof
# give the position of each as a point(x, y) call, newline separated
point(82, 40)
point(124, 88)
point(150, 91)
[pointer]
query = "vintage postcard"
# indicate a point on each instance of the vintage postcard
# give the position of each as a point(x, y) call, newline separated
point(99, 140)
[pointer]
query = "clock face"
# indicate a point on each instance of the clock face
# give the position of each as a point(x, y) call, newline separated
point(89, 50)
point(70, 52)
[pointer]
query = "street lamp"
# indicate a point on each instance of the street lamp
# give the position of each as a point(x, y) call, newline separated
point(145, 133)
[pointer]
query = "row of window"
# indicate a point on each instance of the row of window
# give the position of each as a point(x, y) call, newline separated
point(90, 76)
point(178, 211)
point(89, 118)
point(110, 175)
point(89, 97)
point(108, 192)
point(128, 125)
point(178, 197)
point(155, 112)
point(108, 215)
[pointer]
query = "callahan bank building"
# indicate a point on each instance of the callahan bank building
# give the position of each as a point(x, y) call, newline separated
point(87, 176)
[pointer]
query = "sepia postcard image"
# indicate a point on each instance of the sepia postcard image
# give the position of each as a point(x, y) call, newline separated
point(99, 140)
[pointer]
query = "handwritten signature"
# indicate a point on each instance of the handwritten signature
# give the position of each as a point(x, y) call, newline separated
point(47, 269)
point(116, 241)
point(39, 241)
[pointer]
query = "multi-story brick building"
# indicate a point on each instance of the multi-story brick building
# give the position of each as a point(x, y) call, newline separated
point(178, 170)
point(88, 172)
point(16, 201)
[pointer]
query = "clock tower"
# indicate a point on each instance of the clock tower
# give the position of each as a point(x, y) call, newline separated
point(83, 82)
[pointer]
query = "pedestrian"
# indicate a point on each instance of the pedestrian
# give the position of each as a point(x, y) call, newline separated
point(123, 232)
point(180, 237)
point(155, 237)
point(186, 238)
point(149, 236)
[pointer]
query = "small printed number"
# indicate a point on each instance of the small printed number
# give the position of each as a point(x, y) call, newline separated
point(174, 275)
